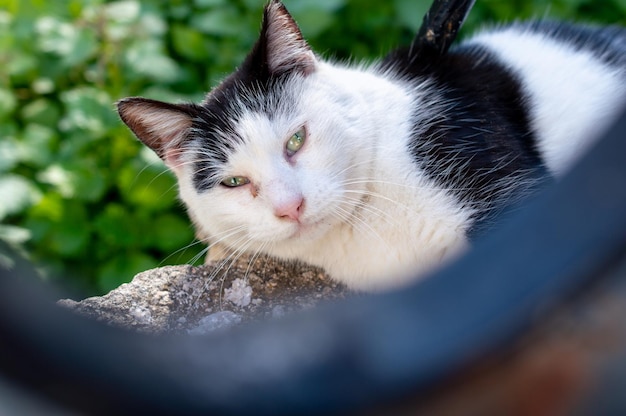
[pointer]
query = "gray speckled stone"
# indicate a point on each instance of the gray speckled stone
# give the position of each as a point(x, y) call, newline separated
point(177, 298)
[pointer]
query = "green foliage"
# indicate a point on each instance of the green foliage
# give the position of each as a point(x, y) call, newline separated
point(77, 191)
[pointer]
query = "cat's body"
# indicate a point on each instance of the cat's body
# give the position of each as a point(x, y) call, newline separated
point(378, 174)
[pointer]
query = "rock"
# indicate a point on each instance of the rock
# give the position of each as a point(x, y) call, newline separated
point(215, 321)
point(195, 300)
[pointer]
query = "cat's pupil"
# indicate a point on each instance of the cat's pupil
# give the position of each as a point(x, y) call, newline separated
point(235, 181)
point(295, 142)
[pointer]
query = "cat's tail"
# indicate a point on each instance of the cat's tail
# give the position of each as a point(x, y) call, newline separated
point(439, 28)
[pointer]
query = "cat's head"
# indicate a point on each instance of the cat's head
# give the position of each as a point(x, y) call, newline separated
point(270, 157)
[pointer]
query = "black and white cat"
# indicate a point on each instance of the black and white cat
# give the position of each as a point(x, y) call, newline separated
point(379, 173)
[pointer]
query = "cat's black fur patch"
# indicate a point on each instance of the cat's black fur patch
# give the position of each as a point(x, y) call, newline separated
point(484, 151)
point(250, 85)
point(254, 86)
point(214, 149)
point(222, 111)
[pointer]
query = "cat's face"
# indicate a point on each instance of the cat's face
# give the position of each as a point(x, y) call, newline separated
point(270, 157)
point(290, 176)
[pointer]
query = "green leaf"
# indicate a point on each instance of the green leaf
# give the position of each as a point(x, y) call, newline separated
point(203, 4)
point(225, 21)
point(43, 85)
point(253, 5)
point(18, 193)
point(88, 181)
point(123, 11)
point(88, 109)
point(70, 239)
point(42, 111)
point(9, 154)
point(180, 9)
point(35, 145)
point(148, 59)
point(153, 24)
point(300, 6)
point(49, 208)
point(21, 67)
point(410, 13)
point(59, 177)
point(574, 3)
point(315, 16)
point(59, 226)
point(69, 236)
point(38, 228)
point(116, 227)
point(79, 181)
point(171, 232)
point(122, 269)
point(150, 187)
point(8, 102)
point(72, 43)
point(85, 47)
point(314, 21)
point(165, 94)
point(189, 43)
point(14, 235)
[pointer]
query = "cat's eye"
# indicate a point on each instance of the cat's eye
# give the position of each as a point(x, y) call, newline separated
point(235, 181)
point(295, 142)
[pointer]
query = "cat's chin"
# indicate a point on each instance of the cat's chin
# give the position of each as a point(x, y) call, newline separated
point(308, 230)
point(311, 230)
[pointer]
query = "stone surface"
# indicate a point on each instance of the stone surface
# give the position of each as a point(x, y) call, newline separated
point(200, 299)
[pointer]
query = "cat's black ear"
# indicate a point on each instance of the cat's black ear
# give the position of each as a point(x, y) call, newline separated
point(161, 126)
point(281, 48)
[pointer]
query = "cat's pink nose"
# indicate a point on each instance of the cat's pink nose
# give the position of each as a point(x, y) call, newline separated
point(290, 210)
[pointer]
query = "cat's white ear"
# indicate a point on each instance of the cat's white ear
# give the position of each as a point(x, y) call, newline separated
point(161, 126)
point(285, 48)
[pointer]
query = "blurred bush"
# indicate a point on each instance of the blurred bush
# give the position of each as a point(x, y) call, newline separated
point(77, 191)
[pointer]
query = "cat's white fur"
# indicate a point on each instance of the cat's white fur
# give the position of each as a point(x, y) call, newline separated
point(371, 219)
point(574, 96)
point(367, 208)
point(359, 205)
point(390, 223)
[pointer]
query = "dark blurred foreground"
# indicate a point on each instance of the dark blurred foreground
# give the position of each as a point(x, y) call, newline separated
point(530, 322)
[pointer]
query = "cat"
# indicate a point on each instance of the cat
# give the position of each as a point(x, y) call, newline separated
point(380, 173)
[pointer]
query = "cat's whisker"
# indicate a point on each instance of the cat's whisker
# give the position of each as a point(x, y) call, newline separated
point(199, 256)
point(236, 255)
point(358, 223)
point(360, 206)
point(217, 239)
point(361, 225)
point(142, 170)
point(222, 236)
point(254, 257)
point(214, 240)
point(407, 186)
point(244, 242)
point(352, 166)
point(153, 178)
point(382, 197)
point(185, 248)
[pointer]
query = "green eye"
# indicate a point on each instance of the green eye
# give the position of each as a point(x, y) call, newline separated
point(235, 181)
point(295, 142)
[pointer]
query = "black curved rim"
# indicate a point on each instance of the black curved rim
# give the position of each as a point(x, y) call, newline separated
point(350, 355)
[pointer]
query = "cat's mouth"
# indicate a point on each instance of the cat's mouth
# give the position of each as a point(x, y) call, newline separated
point(310, 229)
